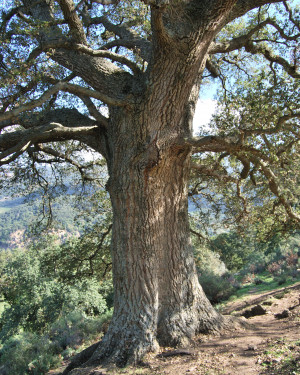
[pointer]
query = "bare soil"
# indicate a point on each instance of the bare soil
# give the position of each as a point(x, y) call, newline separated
point(236, 352)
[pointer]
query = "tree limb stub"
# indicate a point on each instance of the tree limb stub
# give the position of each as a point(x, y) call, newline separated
point(94, 112)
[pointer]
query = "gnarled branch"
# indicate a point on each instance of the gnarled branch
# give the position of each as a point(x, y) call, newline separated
point(89, 51)
point(51, 132)
point(204, 170)
point(62, 86)
point(272, 57)
point(274, 186)
point(14, 152)
point(236, 43)
point(244, 6)
point(62, 156)
point(74, 22)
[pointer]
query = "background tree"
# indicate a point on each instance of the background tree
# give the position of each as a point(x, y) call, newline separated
point(38, 289)
point(123, 79)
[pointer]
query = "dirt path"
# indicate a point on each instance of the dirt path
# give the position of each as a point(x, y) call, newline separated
point(238, 352)
point(242, 351)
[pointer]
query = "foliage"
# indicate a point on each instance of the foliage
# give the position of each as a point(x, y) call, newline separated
point(252, 186)
point(260, 265)
point(50, 310)
point(32, 353)
point(216, 282)
point(248, 253)
point(258, 104)
point(57, 294)
point(27, 353)
point(37, 294)
point(206, 259)
point(84, 84)
point(234, 250)
point(217, 288)
point(20, 215)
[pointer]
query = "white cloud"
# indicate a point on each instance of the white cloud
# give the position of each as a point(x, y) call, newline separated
point(204, 110)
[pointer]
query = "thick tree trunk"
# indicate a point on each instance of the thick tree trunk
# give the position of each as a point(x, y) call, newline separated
point(158, 299)
point(157, 294)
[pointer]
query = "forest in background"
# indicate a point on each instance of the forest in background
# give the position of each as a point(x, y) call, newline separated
point(17, 215)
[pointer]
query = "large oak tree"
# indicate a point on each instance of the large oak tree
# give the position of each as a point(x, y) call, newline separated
point(123, 78)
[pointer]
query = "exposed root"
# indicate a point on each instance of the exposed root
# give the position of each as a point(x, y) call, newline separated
point(234, 323)
point(118, 348)
point(123, 349)
point(126, 348)
point(81, 358)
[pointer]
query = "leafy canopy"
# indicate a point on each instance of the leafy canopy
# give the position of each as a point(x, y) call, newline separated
point(67, 66)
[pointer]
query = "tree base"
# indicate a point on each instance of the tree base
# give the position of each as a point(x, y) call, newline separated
point(118, 351)
point(116, 348)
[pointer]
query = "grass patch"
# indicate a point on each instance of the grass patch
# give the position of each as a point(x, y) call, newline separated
point(268, 284)
point(256, 289)
point(281, 358)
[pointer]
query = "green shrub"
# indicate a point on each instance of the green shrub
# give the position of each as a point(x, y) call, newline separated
point(27, 353)
point(217, 288)
point(258, 281)
point(36, 300)
point(208, 260)
point(30, 353)
point(72, 329)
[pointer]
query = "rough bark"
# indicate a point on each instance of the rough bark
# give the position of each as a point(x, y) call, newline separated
point(158, 300)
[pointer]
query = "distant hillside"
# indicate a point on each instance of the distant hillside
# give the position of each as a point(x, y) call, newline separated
point(18, 214)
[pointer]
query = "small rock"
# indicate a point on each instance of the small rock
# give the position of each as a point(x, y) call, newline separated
point(252, 347)
point(284, 314)
point(255, 310)
point(191, 369)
